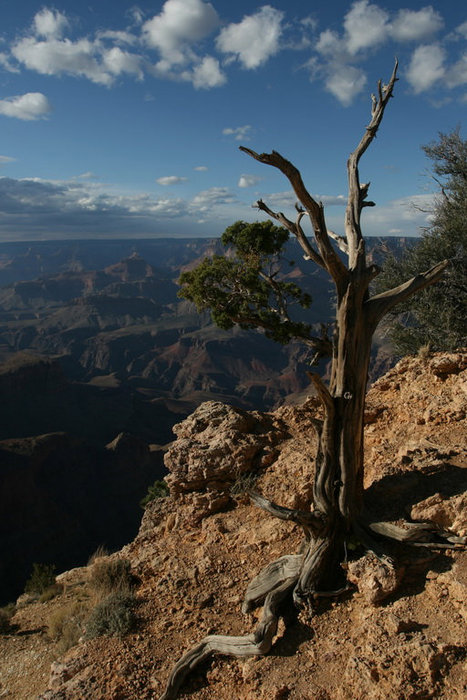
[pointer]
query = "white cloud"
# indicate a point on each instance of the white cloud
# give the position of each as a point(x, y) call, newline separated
point(462, 30)
point(28, 107)
point(54, 56)
point(255, 39)
point(120, 37)
point(214, 196)
point(345, 82)
point(426, 67)
point(50, 23)
point(366, 25)
point(88, 175)
point(405, 215)
point(181, 23)
point(208, 74)
point(416, 25)
point(201, 168)
point(287, 199)
point(457, 74)
point(240, 133)
point(118, 61)
point(168, 180)
point(249, 180)
point(4, 160)
point(5, 63)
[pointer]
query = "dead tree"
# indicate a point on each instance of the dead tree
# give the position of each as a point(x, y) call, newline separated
point(338, 483)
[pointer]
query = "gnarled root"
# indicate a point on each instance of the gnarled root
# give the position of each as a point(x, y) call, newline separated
point(272, 585)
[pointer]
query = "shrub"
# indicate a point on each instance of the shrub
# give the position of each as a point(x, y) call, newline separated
point(6, 613)
point(100, 552)
point(66, 626)
point(42, 577)
point(113, 616)
point(111, 576)
point(50, 592)
point(159, 489)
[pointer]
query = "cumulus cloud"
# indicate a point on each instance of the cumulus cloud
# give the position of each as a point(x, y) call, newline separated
point(207, 74)
point(248, 180)
point(457, 73)
point(426, 67)
point(416, 25)
point(118, 61)
point(50, 23)
point(168, 180)
point(240, 133)
point(345, 82)
point(28, 107)
point(255, 39)
point(365, 25)
point(54, 56)
point(180, 24)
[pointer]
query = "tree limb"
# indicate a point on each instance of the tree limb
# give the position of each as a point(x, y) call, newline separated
point(380, 304)
point(308, 520)
point(358, 192)
point(315, 211)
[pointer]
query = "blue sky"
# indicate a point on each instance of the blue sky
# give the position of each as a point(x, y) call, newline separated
point(124, 120)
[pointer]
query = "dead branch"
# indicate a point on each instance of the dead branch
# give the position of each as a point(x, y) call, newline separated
point(380, 304)
point(315, 211)
point(309, 521)
point(358, 192)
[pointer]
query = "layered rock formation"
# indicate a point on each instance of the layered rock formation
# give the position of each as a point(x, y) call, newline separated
point(197, 549)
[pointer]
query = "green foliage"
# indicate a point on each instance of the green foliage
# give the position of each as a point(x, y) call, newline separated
point(42, 577)
point(6, 613)
point(159, 489)
point(110, 576)
point(113, 616)
point(436, 316)
point(245, 287)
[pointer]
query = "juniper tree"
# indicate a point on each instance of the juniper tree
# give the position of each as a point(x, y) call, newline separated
point(246, 289)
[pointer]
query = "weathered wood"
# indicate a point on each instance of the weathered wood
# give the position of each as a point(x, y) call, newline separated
point(258, 643)
point(309, 520)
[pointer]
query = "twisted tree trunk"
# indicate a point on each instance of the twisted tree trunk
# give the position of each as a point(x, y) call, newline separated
point(338, 481)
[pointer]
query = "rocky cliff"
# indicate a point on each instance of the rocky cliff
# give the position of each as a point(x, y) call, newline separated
point(197, 549)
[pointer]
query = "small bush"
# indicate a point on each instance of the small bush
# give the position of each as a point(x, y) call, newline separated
point(100, 552)
point(66, 625)
point(113, 616)
point(50, 592)
point(111, 576)
point(244, 483)
point(6, 613)
point(42, 577)
point(159, 489)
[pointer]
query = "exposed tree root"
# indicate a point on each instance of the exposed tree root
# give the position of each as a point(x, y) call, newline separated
point(272, 585)
point(418, 534)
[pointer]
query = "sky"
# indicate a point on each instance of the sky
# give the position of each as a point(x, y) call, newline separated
point(123, 120)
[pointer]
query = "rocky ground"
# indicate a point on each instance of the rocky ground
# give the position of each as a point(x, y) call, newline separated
point(197, 550)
